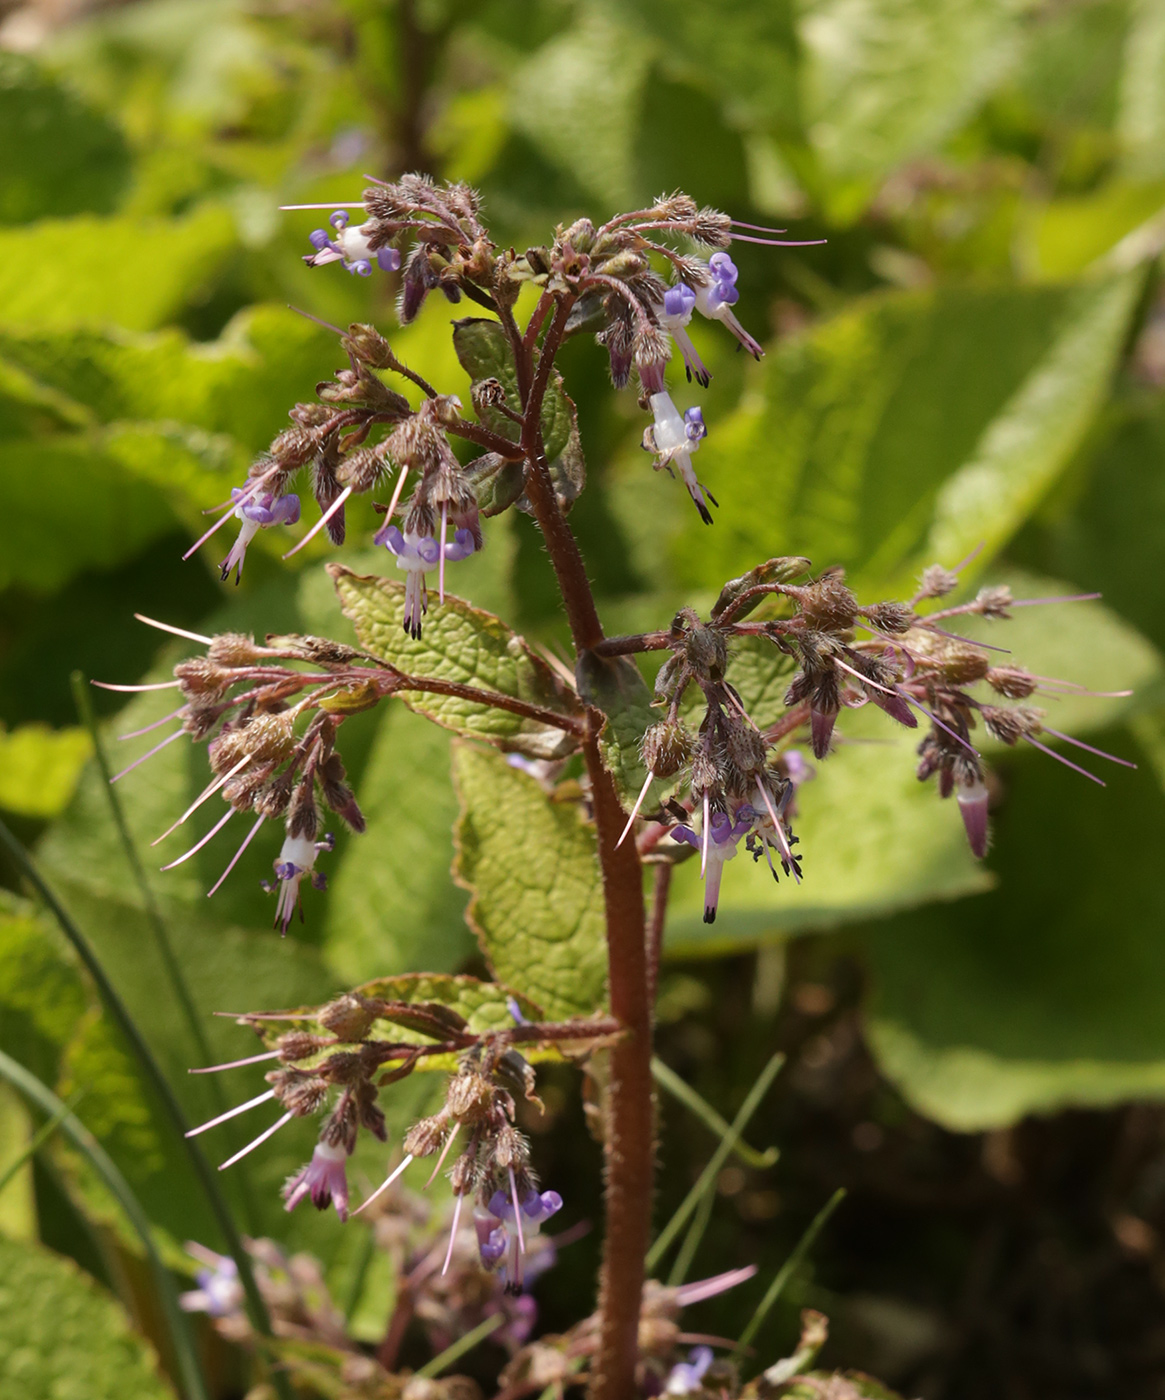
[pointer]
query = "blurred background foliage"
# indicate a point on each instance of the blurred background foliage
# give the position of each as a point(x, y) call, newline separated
point(977, 354)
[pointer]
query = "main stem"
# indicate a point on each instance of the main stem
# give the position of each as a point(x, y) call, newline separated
point(629, 1155)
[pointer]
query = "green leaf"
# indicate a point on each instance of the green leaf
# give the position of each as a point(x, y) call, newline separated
point(87, 271)
point(392, 903)
point(39, 768)
point(908, 428)
point(884, 80)
point(872, 839)
point(71, 507)
point(531, 867)
point(484, 353)
point(61, 1335)
point(616, 687)
point(576, 99)
point(1141, 119)
point(59, 155)
point(465, 645)
point(41, 994)
point(1044, 994)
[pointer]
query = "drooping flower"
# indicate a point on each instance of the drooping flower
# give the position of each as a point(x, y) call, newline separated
point(350, 245)
point(716, 846)
point(417, 554)
point(972, 798)
point(324, 1178)
point(673, 439)
point(687, 1377)
point(257, 510)
point(296, 859)
point(504, 1225)
point(674, 313)
point(716, 298)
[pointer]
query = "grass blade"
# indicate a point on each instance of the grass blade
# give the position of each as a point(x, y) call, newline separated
point(460, 1347)
point(787, 1270)
point(256, 1308)
point(61, 1116)
point(38, 1140)
point(707, 1180)
point(668, 1079)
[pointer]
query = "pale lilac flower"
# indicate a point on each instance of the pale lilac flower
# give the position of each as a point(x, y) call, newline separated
point(972, 800)
point(219, 1292)
point(417, 554)
point(716, 298)
point(325, 1178)
point(296, 859)
point(673, 439)
point(350, 245)
point(257, 510)
point(500, 1232)
point(673, 315)
point(722, 837)
point(687, 1377)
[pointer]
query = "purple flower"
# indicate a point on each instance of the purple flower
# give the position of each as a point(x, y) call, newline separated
point(674, 315)
point(417, 554)
point(349, 245)
point(673, 439)
point(296, 859)
point(687, 1377)
point(325, 1178)
point(972, 800)
point(219, 1291)
point(723, 834)
point(500, 1231)
point(257, 510)
point(716, 297)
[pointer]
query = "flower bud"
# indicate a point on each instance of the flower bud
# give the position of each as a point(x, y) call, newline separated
point(233, 649)
point(828, 603)
point(890, 617)
point(1012, 682)
point(426, 1136)
point(963, 665)
point(349, 1017)
point(667, 747)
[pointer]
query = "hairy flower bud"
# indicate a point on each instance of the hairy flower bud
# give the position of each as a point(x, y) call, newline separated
point(994, 602)
point(348, 1017)
point(426, 1135)
point(298, 1045)
point(962, 664)
point(706, 652)
point(667, 747)
point(202, 678)
point(890, 617)
point(1012, 682)
point(937, 582)
point(1011, 725)
point(828, 603)
point(233, 649)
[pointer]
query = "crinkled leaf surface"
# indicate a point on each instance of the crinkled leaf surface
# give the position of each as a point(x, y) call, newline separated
point(63, 1337)
point(466, 645)
point(532, 870)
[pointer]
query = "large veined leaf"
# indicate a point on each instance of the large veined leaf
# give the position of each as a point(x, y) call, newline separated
point(1044, 993)
point(88, 271)
point(465, 645)
point(536, 894)
point(62, 1336)
point(909, 428)
point(885, 79)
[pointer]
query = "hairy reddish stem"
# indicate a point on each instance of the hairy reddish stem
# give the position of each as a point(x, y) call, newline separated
point(629, 1155)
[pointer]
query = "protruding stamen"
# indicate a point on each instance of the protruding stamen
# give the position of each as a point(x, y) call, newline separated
point(400, 483)
point(231, 1113)
point(169, 739)
point(385, 1184)
point(244, 496)
point(441, 556)
point(235, 858)
point(336, 204)
point(444, 1154)
point(1065, 598)
point(974, 554)
point(135, 689)
point(756, 228)
point(214, 830)
point(299, 311)
point(930, 714)
point(1088, 748)
point(452, 1235)
point(689, 1293)
point(258, 1142)
point(778, 242)
point(177, 631)
point(321, 522)
point(1067, 762)
point(157, 724)
point(238, 1064)
point(204, 796)
point(517, 1213)
point(639, 801)
point(705, 837)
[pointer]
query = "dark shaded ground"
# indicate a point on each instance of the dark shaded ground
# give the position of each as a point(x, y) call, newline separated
point(1005, 1266)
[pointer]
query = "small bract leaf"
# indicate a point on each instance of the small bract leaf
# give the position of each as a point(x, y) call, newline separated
point(615, 686)
point(532, 869)
point(465, 645)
